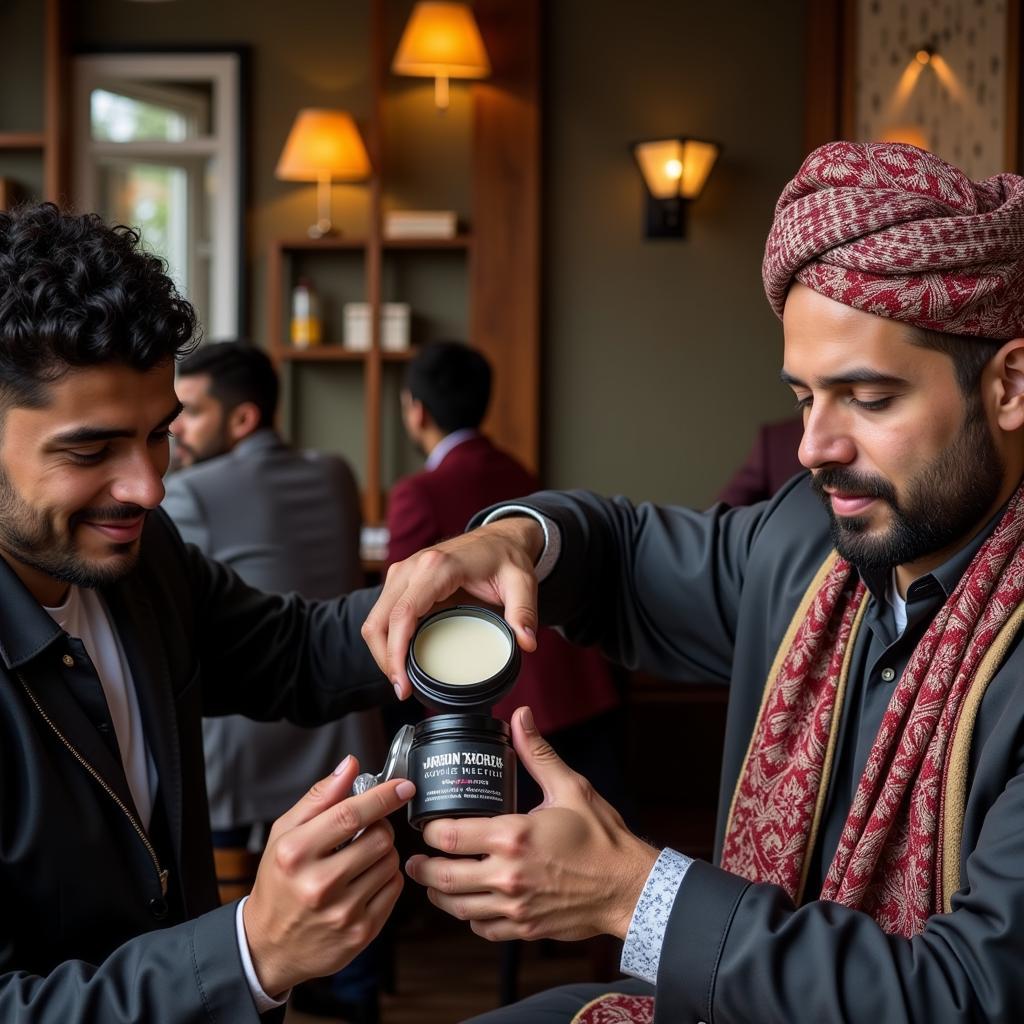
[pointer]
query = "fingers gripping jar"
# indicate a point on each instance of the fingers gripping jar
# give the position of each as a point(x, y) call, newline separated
point(461, 661)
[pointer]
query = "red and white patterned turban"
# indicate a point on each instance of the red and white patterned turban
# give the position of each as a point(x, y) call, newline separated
point(893, 230)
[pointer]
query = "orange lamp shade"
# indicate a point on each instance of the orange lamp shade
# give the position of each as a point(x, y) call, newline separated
point(676, 167)
point(323, 144)
point(441, 39)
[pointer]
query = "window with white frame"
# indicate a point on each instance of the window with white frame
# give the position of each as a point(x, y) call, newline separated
point(157, 147)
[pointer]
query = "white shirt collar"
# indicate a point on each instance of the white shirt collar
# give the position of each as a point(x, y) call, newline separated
point(899, 605)
point(446, 444)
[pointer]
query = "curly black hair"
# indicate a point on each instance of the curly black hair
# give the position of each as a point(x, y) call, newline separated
point(75, 292)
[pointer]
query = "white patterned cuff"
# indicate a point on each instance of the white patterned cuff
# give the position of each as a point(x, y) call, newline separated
point(259, 997)
point(552, 536)
point(641, 952)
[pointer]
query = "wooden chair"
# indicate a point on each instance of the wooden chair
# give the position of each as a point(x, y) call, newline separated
point(236, 872)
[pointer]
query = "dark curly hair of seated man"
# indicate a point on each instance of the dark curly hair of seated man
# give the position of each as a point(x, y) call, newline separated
point(76, 292)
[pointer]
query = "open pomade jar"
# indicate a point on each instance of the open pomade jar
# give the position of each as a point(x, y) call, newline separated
point(461, 661)
point(462, 658)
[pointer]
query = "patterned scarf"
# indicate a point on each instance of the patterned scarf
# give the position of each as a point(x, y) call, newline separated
point(898, 857)
point(893, 230)
point(616, 1008)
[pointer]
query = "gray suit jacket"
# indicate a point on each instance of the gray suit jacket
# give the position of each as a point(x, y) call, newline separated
point(284, 521)
point(708, 596)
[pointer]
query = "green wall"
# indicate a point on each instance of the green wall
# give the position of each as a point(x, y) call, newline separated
point(660, 357)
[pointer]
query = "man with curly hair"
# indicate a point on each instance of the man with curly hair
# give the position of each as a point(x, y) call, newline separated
point(115, 639)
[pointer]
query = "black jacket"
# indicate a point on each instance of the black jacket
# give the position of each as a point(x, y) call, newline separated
point(89, 930)
point(709, 595)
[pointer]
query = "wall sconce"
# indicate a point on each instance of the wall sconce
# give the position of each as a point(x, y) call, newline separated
point(323, 146)
point(674, 171)
point(441, 41)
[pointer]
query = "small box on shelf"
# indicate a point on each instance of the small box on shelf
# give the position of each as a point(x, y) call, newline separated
point(420, 224)
point(373, 543)
point(394, 327)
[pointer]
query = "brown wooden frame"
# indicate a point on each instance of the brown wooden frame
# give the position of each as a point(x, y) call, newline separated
point(52, 143)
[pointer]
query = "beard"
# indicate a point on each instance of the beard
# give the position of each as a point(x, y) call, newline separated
point(30, 536)
point(944, 502)
point(218, 443)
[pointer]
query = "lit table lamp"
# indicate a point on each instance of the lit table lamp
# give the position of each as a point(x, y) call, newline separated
point(323, 146)
point(441, 41)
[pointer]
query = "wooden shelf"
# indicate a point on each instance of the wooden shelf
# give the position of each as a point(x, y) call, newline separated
point(343, 243)
point(331, 352)
point(22, 140)
point(458, 242)
point(338, 243)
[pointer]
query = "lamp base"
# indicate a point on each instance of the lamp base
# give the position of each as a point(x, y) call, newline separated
point(322, 229)
point(665, 218)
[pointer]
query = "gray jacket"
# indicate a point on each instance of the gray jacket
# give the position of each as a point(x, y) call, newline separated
point(708, 596)
point(285, 521)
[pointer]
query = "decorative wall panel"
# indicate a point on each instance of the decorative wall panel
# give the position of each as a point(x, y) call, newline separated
point(955, 104)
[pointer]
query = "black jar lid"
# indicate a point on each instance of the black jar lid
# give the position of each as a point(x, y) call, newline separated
point(446, 696)
point(479, 727)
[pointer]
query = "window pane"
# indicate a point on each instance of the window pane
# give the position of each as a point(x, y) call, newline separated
point(154, 199)
point(118, 118)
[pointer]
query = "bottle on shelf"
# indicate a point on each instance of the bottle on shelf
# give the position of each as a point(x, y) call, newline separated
point(306, 327)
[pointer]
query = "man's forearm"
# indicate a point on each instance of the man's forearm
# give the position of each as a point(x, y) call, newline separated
point(176, 975)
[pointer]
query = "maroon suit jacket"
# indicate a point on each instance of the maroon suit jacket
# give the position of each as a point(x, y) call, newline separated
point(771, 462)
point(563, 684)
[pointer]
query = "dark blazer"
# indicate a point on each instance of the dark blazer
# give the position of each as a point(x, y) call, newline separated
point(771, 462)
point(88, 932)
point(709, 595)
point(564, 685)
point(283, 520)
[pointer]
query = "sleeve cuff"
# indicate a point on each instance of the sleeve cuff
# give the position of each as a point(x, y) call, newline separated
point(641, 952)
point(259, 997)
point(552, 536)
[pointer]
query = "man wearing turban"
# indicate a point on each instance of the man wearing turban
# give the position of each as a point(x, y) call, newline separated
point(869, 861)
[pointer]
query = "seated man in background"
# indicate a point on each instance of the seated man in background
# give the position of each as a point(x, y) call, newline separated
point(115, 639)
point(571, 690)
point(284, 520)
point(870, 843)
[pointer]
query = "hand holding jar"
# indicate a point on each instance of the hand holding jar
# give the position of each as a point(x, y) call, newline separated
point(493, 564)
point(327, 881)
point(567, 870)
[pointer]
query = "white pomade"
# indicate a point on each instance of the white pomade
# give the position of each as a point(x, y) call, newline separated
point(462, 650)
